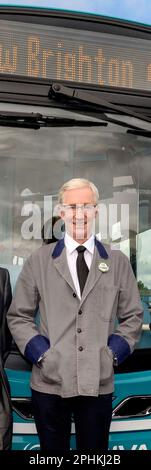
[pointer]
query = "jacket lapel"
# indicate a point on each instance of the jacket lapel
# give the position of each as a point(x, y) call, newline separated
point(61, 264)
point(100, 256)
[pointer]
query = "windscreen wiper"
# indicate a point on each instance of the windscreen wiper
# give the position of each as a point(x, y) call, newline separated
point(97, 103)
point(37, 120)
point(140, 132)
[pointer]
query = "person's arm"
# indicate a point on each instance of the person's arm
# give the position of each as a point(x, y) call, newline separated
point(5, 300)
point(129, 315)
point(7, 291)
point(21, 316)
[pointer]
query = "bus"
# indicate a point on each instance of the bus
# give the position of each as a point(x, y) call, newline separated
point(75, 101)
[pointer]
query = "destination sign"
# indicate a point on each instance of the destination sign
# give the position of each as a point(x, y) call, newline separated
point(67, 54)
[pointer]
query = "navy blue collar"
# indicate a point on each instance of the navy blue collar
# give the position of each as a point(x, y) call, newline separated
point(102, 251)
point(60, 246)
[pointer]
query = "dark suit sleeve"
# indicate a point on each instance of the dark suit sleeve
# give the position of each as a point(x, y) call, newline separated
point(7, 292)
point(5, 301)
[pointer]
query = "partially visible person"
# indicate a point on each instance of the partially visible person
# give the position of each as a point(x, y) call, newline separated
point(6, 416)
point(5, 343)
point(5, 301)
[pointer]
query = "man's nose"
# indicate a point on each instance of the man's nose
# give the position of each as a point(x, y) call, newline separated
point(79, 214)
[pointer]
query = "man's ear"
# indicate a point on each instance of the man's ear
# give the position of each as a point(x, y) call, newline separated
point(60, 212)
point(62, 215)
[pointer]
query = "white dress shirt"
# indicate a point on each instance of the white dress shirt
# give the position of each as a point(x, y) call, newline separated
point(72, 255)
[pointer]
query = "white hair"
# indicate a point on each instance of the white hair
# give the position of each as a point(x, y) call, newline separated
point(77, 183)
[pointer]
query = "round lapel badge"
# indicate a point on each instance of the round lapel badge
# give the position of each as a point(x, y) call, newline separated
point(103, 267)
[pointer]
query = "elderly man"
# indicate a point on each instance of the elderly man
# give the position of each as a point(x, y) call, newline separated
point(81, 288)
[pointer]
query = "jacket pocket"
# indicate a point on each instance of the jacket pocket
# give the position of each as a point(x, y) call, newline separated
point(51, 367)
point(106, 364)
point(108, 302)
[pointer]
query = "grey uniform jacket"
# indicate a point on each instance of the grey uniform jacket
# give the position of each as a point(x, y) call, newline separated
point(79, 335)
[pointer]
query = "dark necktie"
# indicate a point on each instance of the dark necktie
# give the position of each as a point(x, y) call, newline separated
point(82, 268)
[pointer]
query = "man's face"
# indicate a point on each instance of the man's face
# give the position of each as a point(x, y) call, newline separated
point(79, 212)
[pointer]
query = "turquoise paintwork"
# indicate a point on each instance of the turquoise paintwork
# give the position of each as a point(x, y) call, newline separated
point(128, 384)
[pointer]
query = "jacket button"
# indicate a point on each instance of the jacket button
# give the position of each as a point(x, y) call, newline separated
point(74, 295)
point(80, 312)
point(80, 348)
point(79, 330)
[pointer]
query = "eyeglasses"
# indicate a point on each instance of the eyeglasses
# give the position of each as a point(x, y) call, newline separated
point(76, 207)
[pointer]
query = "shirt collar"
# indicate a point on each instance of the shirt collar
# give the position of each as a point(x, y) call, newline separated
point(71, 244)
